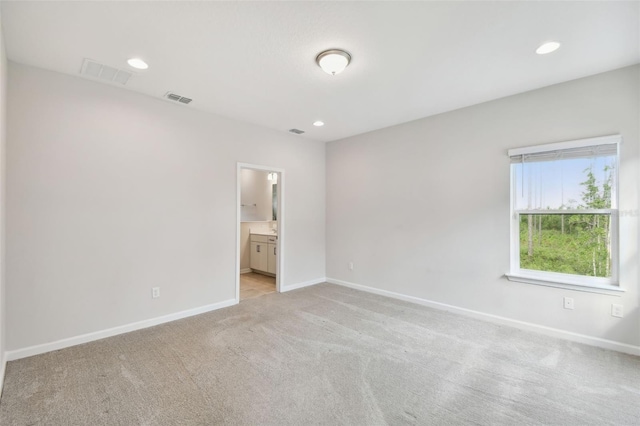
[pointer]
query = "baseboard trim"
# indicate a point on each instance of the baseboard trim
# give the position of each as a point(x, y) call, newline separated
point(97, 335)
point(245, 270)
point(303, 284)
point(3, 369)
point(522, 325)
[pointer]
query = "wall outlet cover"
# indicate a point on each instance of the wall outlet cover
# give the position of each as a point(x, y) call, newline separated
point(617, 310)
point(568, 302)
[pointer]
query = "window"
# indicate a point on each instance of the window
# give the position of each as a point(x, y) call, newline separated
point(564, 217)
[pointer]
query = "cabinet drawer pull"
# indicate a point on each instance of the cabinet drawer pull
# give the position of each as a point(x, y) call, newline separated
point(274, 251)
point(258, 246)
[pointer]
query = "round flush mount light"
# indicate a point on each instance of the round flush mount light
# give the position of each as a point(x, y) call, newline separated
point(318, 123)
point(548, 47)
point(138, 63)
point(333, 61)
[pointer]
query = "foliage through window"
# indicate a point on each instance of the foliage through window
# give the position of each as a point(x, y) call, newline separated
point(564, 211)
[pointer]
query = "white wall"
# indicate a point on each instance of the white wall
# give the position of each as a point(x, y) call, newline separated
point(111, 193)
point(422, 208)
point(3, 133)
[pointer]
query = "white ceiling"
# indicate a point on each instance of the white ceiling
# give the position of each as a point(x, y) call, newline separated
point(255, 61)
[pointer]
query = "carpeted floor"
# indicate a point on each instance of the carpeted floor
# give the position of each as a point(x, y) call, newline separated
point(324, 355)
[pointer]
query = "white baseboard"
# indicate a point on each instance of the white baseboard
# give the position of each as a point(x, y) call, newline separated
point(97, 335)
point(245, 270)
point(303, 284)
point(549, 331)
point(3, 368)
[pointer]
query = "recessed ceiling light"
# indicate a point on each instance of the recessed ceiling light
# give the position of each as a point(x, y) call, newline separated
point(318, 123)
point(333, 61)
point(548, 47)
point(138, 63)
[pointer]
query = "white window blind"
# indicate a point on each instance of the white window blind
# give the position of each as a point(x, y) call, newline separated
point(563, 176)
point(607, 150)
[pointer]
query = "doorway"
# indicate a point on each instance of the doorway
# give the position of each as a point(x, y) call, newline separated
point(260, 230)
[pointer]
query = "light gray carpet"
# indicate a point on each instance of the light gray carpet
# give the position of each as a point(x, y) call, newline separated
point(324, 355)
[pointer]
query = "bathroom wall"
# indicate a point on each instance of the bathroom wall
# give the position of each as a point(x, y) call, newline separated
point(255, 196)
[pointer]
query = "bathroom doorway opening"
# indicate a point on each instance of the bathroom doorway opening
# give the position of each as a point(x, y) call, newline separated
point(259, 230)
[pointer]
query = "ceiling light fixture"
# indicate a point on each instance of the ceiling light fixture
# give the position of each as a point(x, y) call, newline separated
point(138, 63)
point(318, 123)
point(333, 61)
point(548, 47)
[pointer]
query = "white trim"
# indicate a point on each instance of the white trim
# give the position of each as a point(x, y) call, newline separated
point(578, 143)
point(522, 325)
point(97, 335)
point(566, 281)
point(3, 369)
point(245, 270)
point(610, 212)
point(304, 284)
point(280, 243)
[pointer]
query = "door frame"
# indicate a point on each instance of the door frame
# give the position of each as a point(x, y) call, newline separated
point(280, 247)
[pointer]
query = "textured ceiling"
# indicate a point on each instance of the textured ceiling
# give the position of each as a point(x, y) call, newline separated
point(255, 61)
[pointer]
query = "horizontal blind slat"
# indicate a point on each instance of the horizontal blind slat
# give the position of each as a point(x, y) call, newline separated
point(565, 154)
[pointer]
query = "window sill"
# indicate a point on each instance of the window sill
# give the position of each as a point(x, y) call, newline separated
point(611, 290)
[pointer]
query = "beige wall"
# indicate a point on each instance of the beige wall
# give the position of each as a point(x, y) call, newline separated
point(111, 193)
point(422, 208)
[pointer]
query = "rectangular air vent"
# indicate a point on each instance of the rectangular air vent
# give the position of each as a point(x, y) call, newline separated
point(103, 72)
point(173, 97)
point(296, 131)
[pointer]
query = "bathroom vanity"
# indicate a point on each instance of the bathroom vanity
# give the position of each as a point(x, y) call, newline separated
point(264, 253)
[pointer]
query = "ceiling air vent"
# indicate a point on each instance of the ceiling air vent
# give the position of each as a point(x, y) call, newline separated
point(96, 70)
point(296, 131)
point(173, 97)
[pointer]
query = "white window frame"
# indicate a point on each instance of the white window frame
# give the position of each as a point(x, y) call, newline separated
point(608, 285)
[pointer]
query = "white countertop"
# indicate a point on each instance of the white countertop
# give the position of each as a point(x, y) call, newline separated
point(268, 234)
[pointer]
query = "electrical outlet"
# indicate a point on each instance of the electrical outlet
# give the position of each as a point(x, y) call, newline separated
point(568, 302)
point(155, 292)
point(616, 310)
point(351, 266)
